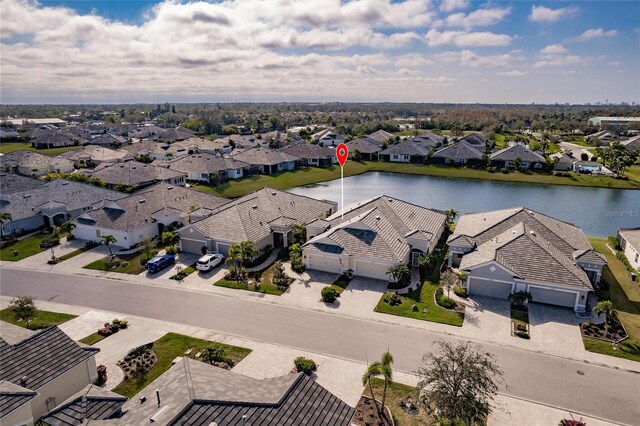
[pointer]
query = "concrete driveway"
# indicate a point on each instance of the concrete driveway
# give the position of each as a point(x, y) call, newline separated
point(182, 260)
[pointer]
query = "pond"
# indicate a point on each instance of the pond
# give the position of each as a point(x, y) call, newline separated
point(598, 211)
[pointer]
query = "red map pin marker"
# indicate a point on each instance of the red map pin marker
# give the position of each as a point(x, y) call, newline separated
point(342, 152)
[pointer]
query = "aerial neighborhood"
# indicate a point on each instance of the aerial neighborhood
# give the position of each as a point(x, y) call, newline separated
point(249, 224)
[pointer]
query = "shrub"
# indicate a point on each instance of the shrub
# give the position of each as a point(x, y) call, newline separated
point(172, 250)
point(102, 375)
point(305, 365)
point(115, 321)
point(124, 324)
point(329, 294)
point(491, 169)
point(504, 170)
point(214, 353)
point(622, 258)
point(613, 242)
point(145, 258)
point(461, 292)
point(115, 328)
point(393, 299)
point(522, 334)
point(49, 242)
point(444, 301)
point(572, 422)
point(280, 278)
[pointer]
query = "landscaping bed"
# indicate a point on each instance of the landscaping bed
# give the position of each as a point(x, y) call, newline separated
point(520, 321)
point(165, 350)
point(259, 281)
point(614, 333)
point(341, 283)
point(184, 272)
point(124, 264)
point(43, 319)
point(402, 402)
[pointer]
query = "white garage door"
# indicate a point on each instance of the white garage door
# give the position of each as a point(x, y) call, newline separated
point(553, 297)
point(489, 288)
point(324, 263)
point(371, 270)
point(192, 246)
point(223, 249)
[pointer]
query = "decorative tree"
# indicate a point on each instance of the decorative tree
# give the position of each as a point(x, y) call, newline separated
point(399, 273)
point(24, 309)
point(5, 217)
point(605, 307)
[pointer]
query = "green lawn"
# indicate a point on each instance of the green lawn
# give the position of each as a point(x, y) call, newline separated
point(186, 271)
point(44, 319)
point(75, 253)
point(133, 267)
point(26, 247)
point(265, 287)
point(92, 339)
point(396, 393)
point(167, 348)
point(341, 283)
point(519, 317)
point(7, 147)
point(625, 296)
point(290, 179)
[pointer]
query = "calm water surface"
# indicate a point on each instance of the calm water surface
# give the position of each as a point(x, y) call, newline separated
point(598, 211)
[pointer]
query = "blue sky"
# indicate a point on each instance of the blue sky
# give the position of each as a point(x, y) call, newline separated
point(320, 50)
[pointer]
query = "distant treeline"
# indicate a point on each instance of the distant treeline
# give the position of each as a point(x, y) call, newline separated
point(347, 118)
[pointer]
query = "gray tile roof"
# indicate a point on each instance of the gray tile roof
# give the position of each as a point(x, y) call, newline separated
point(428, 139)
point(264, 156)
point(32, 160)
point(459, 150)
point(632, 236)
point(475, 139)
point(529, 256)
point(53, 137)
point(146, 147)
point(194, 143)
point(70, 194)
point(133, 173)
point(381, 136)
point(106, 139)
point(250, 217)
point(517, 151)
point(364, 145)
point(194, 393)
point(133, 211)
point(97, 153)
point(91, 403)
point(41, 358)
point(177, 134)
point(407, 147)
point(12, 182)
point(205, 163)
point(632, 143)
point(13, 334)
point(589, 256)
point(241, 141)
point(309, 151)
point(379, 228)
point(13, 397)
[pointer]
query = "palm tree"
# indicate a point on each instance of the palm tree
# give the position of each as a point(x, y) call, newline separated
point(299, 233)
point(461, 277)
point(247, 250)
point(606, 308)
point(387, 373)
point(373, 371)
point(170, 238)
point(5, 217)
point(67, 227)
point(235, 258)
point(399, 273)
point(107, 240)
point(451, 216)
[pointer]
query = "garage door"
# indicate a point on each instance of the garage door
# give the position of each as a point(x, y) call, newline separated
point(489, 288)
point(371, 270)
point(553, 297)
point(223, 249)
point(192, 246)
point(324, 263)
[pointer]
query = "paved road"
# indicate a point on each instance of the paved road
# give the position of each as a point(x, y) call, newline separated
point(597, 391)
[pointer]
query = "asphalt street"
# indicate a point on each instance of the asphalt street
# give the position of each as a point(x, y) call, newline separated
point(589, 389)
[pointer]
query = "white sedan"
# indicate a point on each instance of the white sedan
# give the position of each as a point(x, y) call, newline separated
point(209, 261)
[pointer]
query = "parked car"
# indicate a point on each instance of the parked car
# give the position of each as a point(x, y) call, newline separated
point(209, 261)
point(160, 262)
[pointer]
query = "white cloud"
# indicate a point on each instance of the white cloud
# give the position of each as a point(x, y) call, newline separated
point(595, 33)
point(467, 58)
point(553, 49)
point(513, 73)
point(451, 5)
point(545, 14)
point(558, 61)
point(412, 60)
point(466, 39)
point(478, 18)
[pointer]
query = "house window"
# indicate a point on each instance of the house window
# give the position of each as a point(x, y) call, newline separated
point(636, 258)
point(395, 157)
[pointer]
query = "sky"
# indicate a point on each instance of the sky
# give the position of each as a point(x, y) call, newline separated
point(456, 51)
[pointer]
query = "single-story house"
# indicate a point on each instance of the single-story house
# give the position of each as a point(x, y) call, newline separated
point(265, 160)
point(87, 406)
point(241, 141)
point(632, 144)
point(368, 148)
point(195, 145)
point(136, 175)
point(265, 217)
point(405, 152)
point(176, 134)
point(192, 392)
point(562, 162)
point(145, 214)
point(107, 140)
point(428, 140)
point(629, 240)
point(147, 132)
point(50, 204)
point(459, 153)
point(373, 236)
point(92, 155)
point(476, 139)
point(312, 155)
point(507, 158)
point(602, 138)
point(148, 148)
point(54, 139)
point(48, 364)
point(30, 163)
point(327, 137)
point(519, 249)
point(208, 168)
point(381, 137)
point(15, 404)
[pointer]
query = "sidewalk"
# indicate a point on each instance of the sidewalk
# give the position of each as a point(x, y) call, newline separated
point(340, 376)
point(553, 331)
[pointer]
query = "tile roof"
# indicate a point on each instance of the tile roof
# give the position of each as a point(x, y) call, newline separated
point(133, 173)
point(194, 393)
point(91, 403)
point(428, 139)
point(309, 150)
point(264, 156)
point(381, 136)
point(133, 211)
point(474, 139)
point(177, 134)
point(205, 163)
point(364, 145)
point(106, 139)
point(408, 147)
point(517, 151)
point(632, 236)
point(97, 153)
point(41, 358)
point(250, 217)
point(459, 150)
point(529, 256)
point(12, 182)
point(32, 160)
point(379, 228)
point(146, 147)
point(13, 397)
point(70, 194)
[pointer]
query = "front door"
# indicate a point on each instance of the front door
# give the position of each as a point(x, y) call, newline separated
point(415, 258)
point(278, 240)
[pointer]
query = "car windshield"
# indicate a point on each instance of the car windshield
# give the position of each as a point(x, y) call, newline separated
point(203, 261)
point(156, 259)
